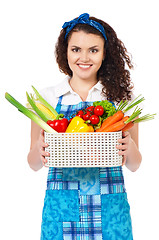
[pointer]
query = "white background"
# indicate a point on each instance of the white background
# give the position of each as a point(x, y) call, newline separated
point(29, 30)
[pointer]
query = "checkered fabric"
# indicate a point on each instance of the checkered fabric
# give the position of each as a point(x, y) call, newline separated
point(106, 181)
point(89, 186)
point(89, 226)
point(111, 180)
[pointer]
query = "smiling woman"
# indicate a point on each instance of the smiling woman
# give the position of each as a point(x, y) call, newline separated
point(87, 203)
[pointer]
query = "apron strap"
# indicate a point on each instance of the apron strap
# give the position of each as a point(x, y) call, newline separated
point(58, 106)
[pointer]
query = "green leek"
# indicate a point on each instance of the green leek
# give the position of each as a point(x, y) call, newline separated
point(29, 114)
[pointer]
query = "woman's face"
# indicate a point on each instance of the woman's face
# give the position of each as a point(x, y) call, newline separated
point(85, 54)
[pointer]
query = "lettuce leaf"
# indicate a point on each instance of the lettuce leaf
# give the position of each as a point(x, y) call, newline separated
point(109, 108)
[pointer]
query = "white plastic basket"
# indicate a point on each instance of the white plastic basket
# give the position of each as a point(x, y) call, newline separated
point(92, 149)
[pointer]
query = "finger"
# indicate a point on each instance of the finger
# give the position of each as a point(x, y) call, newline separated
point(43, 144)
point(44, 154)
point(42, 140)
point(43, 160)
point(42, 132)
point(125, 134)
point(124, 140)
point(123, 153)
point(122, 147)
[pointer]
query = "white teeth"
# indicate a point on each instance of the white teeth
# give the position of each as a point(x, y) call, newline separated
point(84, 66)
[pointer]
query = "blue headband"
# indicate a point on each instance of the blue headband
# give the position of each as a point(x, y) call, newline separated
point(84, 19)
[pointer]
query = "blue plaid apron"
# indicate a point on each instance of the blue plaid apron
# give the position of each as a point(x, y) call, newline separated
point(85, 203)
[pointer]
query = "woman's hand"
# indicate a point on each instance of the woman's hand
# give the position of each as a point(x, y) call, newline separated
point(124, 147)
point(36, 156)
point(42, 145)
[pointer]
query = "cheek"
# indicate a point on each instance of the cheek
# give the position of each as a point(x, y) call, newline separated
point(70, 61)
point(71, 58)
point(99, 61)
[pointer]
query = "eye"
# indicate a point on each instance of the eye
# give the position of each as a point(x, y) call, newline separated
point(93, 50)
point(75, 49)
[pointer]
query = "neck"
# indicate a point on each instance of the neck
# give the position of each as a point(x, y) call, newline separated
point(82, 86)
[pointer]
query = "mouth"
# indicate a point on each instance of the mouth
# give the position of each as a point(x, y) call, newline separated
point(84, 66)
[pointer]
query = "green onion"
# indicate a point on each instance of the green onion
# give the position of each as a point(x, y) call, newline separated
point(135, 114)
point(134, 103)
point(29, 114)
point(144, 118)
point(122, 105)
point(42, 100)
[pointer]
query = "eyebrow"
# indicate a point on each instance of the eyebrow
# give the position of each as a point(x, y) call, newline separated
point(94, 46)
point(80, 47)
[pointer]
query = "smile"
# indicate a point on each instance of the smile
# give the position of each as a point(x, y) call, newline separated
point(83, 66)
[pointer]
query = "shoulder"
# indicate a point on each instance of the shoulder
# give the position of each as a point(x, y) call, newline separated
point(52, 93)
point(56, 89)
point(48, 94)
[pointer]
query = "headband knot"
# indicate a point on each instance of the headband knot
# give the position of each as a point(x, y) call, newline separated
point(84, 19)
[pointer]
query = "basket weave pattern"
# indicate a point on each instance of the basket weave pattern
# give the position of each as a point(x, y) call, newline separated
point(83, 149)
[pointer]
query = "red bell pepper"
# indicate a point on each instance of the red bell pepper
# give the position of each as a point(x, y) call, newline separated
point(58, 125)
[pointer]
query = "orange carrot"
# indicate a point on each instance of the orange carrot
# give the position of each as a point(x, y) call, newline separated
point(111, 120)
point(117, 126)
point(128, 126)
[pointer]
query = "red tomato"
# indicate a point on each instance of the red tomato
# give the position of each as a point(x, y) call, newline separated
point(94, 119)
point(91, 109)
point(80, 114)
point(98, 110)
point(87, 116)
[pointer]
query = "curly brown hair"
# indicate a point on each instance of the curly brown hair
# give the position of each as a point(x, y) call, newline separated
point(113, 74)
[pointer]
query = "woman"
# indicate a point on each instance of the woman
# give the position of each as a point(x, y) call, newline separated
point(87, 203)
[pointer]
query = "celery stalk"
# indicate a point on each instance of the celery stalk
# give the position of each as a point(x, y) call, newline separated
point(29, 114)
point(42, 100)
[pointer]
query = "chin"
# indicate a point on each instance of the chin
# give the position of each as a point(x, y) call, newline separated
point(86, 76)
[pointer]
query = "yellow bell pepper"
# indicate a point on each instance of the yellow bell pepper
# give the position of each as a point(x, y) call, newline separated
point(77, 124)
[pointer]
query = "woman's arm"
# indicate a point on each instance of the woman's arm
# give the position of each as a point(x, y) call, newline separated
point(129, 149)
point(36, 156)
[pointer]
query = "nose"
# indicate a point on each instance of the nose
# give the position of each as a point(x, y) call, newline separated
point(84, 57)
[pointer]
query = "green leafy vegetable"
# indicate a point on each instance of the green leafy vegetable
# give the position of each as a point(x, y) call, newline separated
point(109, 109)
